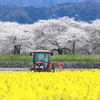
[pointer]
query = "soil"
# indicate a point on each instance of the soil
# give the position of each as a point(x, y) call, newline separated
point(26, 69)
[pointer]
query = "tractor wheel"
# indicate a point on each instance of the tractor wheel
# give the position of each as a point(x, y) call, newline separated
point(48, 70)
point(53, 69)
point(31, 70)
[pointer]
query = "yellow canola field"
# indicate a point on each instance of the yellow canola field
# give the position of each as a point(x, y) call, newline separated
point(64, 85)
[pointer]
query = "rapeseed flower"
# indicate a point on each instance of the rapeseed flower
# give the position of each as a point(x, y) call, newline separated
point(64, 85)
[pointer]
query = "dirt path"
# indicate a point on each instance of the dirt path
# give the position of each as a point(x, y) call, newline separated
point(26, 69)
point(14, 69)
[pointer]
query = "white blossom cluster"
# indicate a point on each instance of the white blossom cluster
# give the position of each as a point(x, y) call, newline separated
point(63, 36)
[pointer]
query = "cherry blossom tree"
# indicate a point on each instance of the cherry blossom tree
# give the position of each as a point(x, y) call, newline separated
point(74, 39)
point(63, 35)
point(94, 32)
point(46, 33)
point(17, 37)
point(59, 34)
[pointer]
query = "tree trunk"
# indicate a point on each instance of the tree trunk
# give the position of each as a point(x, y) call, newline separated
point(73, 51)
point(17, 49)
point(60, 51)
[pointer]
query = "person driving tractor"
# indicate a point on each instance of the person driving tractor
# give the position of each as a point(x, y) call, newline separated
point(44, 57)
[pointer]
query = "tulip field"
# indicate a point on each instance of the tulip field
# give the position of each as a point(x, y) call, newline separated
point(62, 85)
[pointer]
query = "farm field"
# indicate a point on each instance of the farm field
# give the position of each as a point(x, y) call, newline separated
point(27, 69)
point(55, 58)
point(64, 85)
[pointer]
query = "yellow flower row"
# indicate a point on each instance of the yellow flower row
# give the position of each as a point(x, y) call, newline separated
point(64, 85)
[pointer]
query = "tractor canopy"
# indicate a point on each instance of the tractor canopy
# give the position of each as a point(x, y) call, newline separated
point(42, 55)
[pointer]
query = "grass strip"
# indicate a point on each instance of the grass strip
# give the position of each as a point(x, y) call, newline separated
point(55, 58)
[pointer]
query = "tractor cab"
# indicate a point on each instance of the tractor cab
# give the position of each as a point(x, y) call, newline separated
point(42, 61)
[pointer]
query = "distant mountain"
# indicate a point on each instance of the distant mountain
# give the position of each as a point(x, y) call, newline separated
point(85, 11)
point(38, 3)
point(14, 14)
